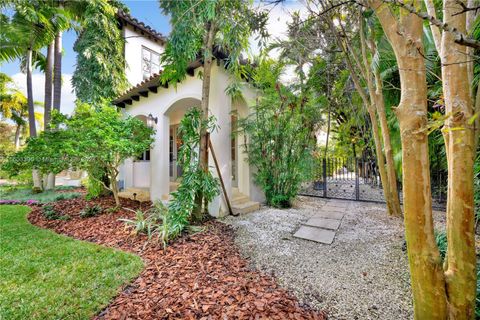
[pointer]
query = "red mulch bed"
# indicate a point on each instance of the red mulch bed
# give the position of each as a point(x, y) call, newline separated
point(199, 276)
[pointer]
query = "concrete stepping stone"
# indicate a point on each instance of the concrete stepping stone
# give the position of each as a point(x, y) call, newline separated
point(337, 215)
point(331, 208)
point(324, 223)
point(315, 234)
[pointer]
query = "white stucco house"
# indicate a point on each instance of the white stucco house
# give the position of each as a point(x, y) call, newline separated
point(155, 174)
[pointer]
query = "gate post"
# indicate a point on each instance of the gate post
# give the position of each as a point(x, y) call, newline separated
point(357, 181)
point(324, 173)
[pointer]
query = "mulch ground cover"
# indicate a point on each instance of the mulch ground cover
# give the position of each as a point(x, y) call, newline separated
point(199, 276)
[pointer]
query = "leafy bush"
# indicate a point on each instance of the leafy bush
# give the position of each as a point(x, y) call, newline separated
point(148, 221)
point(94, 188)
point(92, 137)
point(168, 223)
point(26, 194)
point(441, 239)
point(194, 179)
point(91, 211)
point(66, 196)
point(50, 213)
point(281, 136)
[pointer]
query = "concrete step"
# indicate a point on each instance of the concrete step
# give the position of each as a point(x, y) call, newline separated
point(239, 198)
point(245, 207)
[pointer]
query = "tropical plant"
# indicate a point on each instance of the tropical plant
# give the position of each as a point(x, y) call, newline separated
point(149, 221)
point(91, 211)
point(100, 69)
point(199, 29)
point(281, 136)
point(90, 139)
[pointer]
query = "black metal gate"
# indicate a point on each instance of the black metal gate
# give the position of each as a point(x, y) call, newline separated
point(359, 180)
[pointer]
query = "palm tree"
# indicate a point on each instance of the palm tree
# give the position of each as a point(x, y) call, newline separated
point(27, 32)
point(14, 106)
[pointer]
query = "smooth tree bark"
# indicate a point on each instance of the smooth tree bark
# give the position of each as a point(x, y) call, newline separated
point(37, 180)
point(371, 101)
point(427, 278)
point(49, 180)
point(458, 131)
point(206, 81)
point(57, 72)
point(48, 85)
point(18, 130)
point(460, 144)
point(375, 90)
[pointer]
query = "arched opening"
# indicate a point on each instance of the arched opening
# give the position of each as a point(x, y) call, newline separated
point(175, 114)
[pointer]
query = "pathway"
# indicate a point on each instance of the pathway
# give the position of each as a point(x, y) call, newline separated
point(323, 226)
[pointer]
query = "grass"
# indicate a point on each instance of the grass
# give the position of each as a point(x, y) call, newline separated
point(44, 275)
point(23, 193)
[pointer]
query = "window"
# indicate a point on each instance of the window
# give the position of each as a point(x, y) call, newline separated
point(145, 156)
point(150, 62)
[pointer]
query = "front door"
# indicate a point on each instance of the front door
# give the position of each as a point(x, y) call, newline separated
point(174, 146)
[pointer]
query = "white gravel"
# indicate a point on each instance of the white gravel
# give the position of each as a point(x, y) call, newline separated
point(362, 275)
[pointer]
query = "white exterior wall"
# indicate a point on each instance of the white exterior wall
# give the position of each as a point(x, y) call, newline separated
point(165, 105)
point(133, 53)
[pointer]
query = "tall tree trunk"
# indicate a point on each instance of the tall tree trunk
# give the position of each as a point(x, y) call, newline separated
point(18, 129)
point(387, 143)
point(459, 134)
point(427, 278)
point(381, 161)
point(49, 182)
point(57, 72)
point(37, 180)
point(388, 180)
point(207, 71)
point(328, 131)
point(31, 108)
point(48, 85)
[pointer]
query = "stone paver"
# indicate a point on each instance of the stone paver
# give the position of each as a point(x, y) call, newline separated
point(315, 234)
point(334, 209)
point(330, 215)
point(330, 224)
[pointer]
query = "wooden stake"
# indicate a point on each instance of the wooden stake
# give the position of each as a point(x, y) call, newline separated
point(210, 146)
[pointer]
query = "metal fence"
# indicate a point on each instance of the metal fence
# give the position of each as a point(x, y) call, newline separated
point(359, 179)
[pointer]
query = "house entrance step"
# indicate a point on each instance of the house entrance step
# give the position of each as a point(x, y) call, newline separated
point(245, 207)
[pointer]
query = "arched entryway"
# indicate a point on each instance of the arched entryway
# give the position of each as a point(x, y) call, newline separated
point(175, 114)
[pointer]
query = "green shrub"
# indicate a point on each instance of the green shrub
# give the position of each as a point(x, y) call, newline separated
point(66, 196)
point(441, 239)
point(91, 211)
point(149, 221)
point(281, 136)
point(50, 213)
point(94, 188)
point(169, 223)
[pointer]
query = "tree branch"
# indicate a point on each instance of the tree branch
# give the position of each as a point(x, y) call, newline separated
point(459, 37)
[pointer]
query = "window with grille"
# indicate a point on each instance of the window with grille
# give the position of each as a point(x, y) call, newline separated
point(150, 62)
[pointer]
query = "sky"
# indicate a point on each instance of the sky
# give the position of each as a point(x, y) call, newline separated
point(147, 11)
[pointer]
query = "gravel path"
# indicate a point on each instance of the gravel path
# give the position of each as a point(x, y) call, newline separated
point(362, 275)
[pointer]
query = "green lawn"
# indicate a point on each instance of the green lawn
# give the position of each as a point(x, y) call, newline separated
point(24, 193)
point(44, 275)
